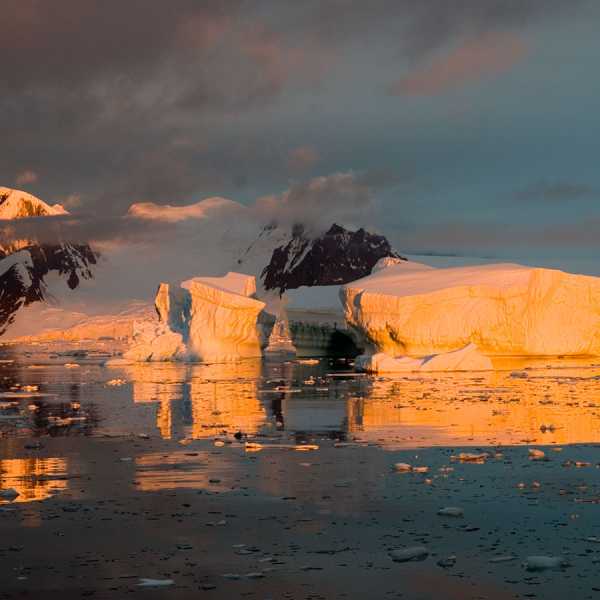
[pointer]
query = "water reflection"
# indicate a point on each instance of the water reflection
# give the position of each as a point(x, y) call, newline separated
point(34, 478)
point(177, 401)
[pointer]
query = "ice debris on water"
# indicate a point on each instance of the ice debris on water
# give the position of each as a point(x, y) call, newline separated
point(402, 467)
point(451, 511)
point(445, 563)
point(410, 553)
point(471, 458)
point(144, 582)
point(535, 454)
point(543, 563)
point(9, 494)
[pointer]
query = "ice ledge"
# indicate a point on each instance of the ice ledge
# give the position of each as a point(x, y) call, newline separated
point(468, 358)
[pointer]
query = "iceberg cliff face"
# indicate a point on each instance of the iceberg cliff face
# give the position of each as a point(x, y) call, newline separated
point(411, 309)
point(209, 319)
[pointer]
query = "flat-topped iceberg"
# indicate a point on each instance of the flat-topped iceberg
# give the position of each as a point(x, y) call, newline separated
point(209, 319)
point(410, 309)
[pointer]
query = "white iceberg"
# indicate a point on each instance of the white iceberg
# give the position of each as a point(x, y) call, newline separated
point(504, 309)
point(209, 319)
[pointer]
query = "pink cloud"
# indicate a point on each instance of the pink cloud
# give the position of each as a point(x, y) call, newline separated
point(302, 158)
point(25, 177)
point(487, 55)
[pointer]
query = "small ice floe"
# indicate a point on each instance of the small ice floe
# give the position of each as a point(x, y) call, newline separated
point(30, 388)
point(232, 576)
point(447, 562)
point(544, 563)
point(256, 447)
point(420, 469)
point(9, 494)
point(535, 454)
point(402, 467)
point(308, 361)
point(451, 511)
point(469, 457)
point(503, 558)
point(144, 582)
point(410, 553)
point(219, 443)
point(116, 382)
point(71, 366)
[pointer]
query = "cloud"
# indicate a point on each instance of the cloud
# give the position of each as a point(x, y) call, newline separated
point(174, 214)
point(556, 192)
point(72, 201)
point(471, 61)
point(147, 100)
point(302, 158)
point(346, 198)
point(25, 177)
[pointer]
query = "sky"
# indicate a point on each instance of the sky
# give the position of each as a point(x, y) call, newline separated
point(473, 123)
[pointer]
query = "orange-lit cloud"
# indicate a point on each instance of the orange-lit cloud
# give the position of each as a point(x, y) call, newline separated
point(487, 55)
point(25, 177)
point(302, 158)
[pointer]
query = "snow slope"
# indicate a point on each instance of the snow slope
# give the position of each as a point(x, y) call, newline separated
point(15, 204)
point(502, 308)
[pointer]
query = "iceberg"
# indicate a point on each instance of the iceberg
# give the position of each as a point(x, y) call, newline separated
point(208, 319)
point(412, 310)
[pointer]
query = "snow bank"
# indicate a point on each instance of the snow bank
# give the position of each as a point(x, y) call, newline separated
point(468, 358)
point(210, 319)
point(502, 308)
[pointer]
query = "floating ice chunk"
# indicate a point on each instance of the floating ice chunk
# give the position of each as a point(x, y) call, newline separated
point(144, 582)
point(471, 458)
point(71, 366)
point(410, 553)
point(535, 454)
point(502, 559)
point(543, 563)
point(402, 467)
point(9, 494)
point(451, 511)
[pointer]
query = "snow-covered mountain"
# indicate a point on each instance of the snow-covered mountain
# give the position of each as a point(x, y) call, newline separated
point(24, 264)
point(208, 238)
point(336, 257)
point(15, 204)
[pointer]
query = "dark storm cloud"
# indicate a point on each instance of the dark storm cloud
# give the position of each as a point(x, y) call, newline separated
point(123, 100)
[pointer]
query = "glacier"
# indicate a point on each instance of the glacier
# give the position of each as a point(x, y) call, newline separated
point(412, 309)
point(208, 319)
